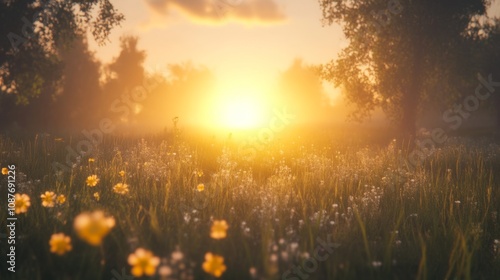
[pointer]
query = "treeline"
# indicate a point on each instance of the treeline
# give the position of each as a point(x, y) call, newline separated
point(140, 100)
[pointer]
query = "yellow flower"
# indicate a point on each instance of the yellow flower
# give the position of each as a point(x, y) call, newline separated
point(198, 172)
point(214, 265)
point(122, 173)
point(5, 171)
point(218, 230)
point(92, 181)
point(97, 196)
point(61, 199)
point(143, 262)
point(22, 203)
point(200, 187)
point(91, 160)
point(48, 199)
point(60, 244)
point(120, 188)
point(93, 227)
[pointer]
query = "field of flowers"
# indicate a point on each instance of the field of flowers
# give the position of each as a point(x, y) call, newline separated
point(166, 208)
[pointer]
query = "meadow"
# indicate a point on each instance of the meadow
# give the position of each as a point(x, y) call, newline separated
point(172, 206)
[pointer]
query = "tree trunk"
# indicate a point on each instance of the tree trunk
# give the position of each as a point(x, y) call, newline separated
point(497, 102)
point(410, 99)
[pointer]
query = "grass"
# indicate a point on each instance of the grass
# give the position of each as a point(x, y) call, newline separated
point(388, 220)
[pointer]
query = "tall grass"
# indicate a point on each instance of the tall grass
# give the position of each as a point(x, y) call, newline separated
point(436, 221)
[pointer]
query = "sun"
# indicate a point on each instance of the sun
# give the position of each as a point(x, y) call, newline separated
point(240, 112)
point(236, 104)
point(239, 108)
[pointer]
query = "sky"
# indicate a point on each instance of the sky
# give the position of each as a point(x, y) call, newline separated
point(248, 38)
point(245, 43)
point(230, 36)
point(239, 40)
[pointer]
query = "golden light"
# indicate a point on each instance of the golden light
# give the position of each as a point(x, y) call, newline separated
point(240, 113)
point(240, 108)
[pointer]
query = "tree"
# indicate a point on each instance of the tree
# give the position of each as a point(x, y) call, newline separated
point(301, 90)
point(123, 75)
point(80, 91)
point(184, 95)
point(403, 52)
point(489, 57)
point(33, 34)
point(128, 66)
point(70, 106)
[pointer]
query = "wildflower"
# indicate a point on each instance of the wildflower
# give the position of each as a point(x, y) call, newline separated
point(199, 173)
point(200, 187)
point(120, 188)
point(92, 181)
point(93, 227)
point(91, 160)
point(97, 196)
point(48, 199)
point(22, 203)
point(61, 199)
point(5, 171)
point(122, 173)
point(214, 265)
point(143, 262)
point(177, 256)
point(60, 244)
point(253, 272)
point(218, 230)
point(165, 271)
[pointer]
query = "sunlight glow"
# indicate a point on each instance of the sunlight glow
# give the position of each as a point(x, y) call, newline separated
point(240, 109)
point(240, 113)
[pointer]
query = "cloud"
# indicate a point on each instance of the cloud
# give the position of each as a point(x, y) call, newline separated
point(255, 11)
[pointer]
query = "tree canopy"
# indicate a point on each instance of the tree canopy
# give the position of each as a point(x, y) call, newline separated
point(36, 32)
point(404, 52)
